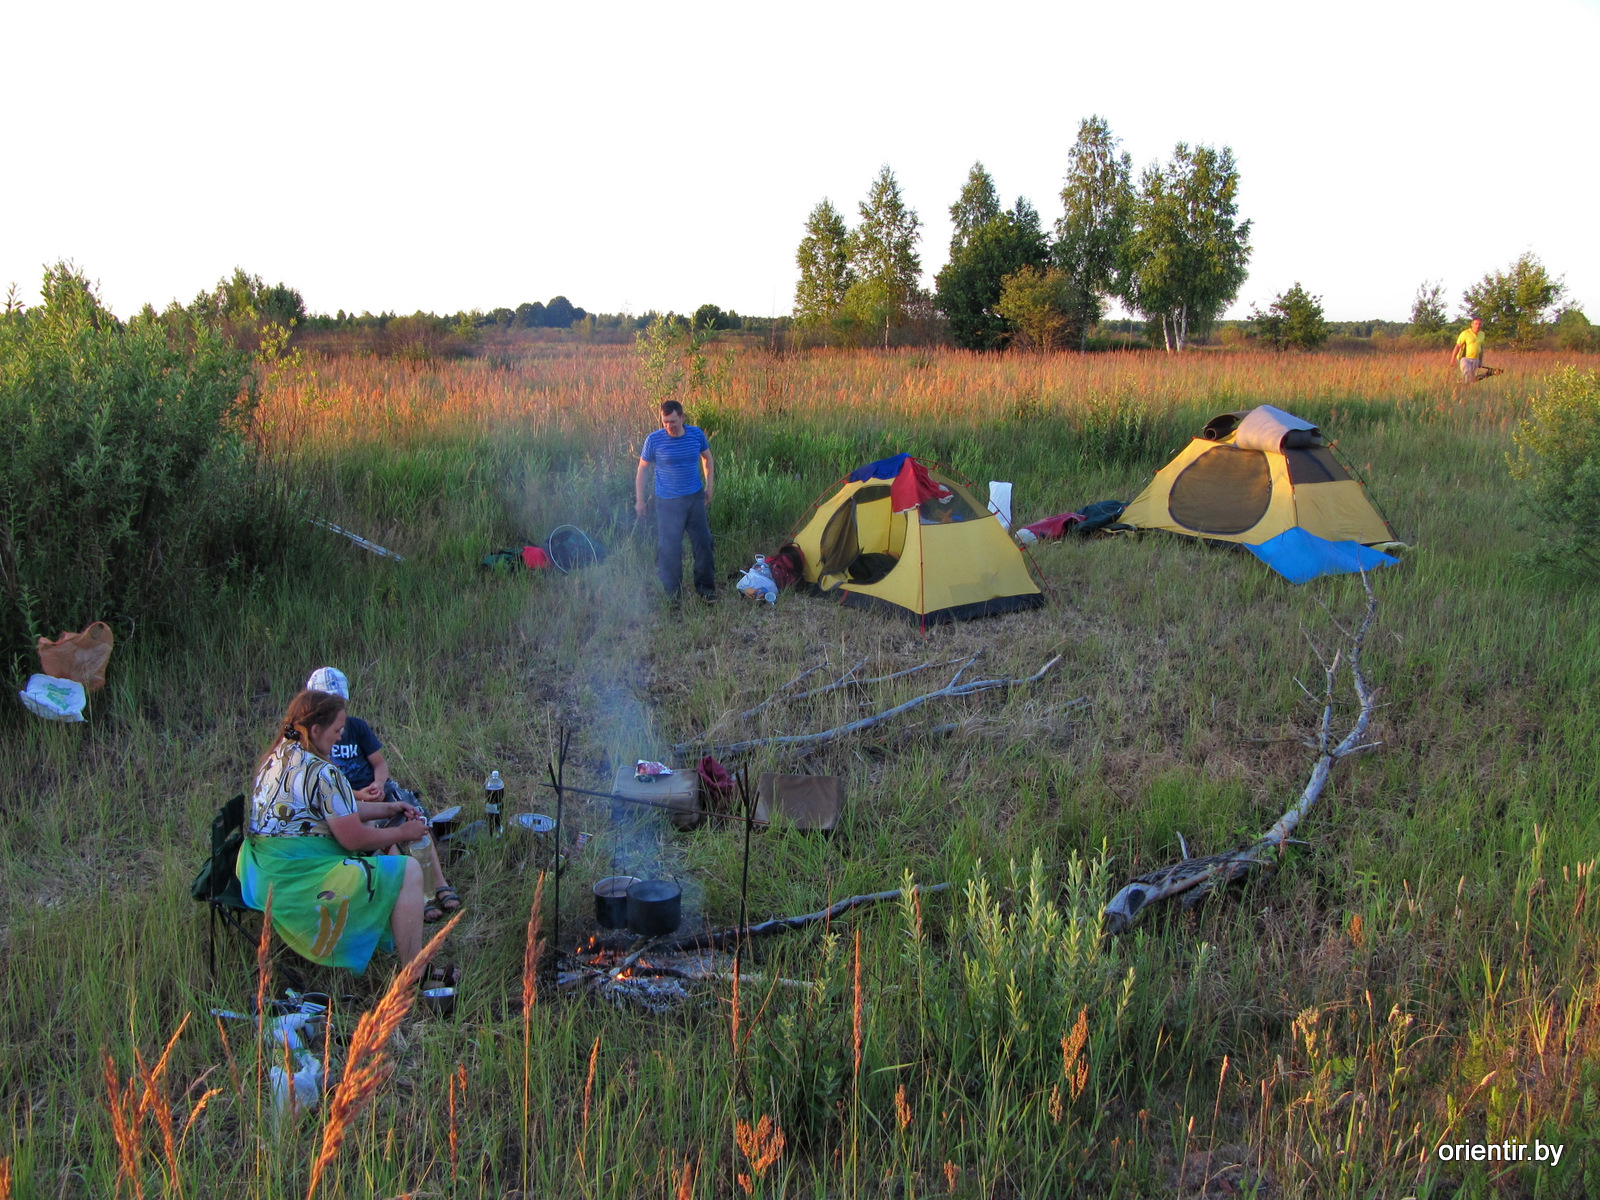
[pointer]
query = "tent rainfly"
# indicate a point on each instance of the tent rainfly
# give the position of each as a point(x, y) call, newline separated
point(1267, 480)
point(903, 538)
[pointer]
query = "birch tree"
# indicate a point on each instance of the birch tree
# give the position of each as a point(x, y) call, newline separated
point(977, 205)
point(824, 261)
point(1097, 212)
point(884, 255)
point(1188, 253)
point(1512, 303)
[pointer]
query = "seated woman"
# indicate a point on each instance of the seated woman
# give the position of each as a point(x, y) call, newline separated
point(306, 844)
point(359, 755)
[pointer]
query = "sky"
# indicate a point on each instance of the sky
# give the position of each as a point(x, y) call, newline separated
point(402, 156)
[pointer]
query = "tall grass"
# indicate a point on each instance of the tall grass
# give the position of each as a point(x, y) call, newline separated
point(1425, 970)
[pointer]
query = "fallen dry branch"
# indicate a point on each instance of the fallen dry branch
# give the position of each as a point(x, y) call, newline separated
point(598, 981)
point(778, 695)
point(844, 680)
point(704, 974)
point(955, 688)
point(848, 679)
point(727, 937)
point(1193, 878)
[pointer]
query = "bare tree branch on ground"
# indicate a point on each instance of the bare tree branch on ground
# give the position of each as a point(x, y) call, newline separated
point(1193, 878)
point(727, 937)
point(955, 688)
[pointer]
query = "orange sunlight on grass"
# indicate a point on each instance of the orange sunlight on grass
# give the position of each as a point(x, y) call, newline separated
point(589, 391)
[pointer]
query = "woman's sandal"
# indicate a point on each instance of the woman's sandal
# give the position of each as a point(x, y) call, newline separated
point(432, 914)
point(447, 900)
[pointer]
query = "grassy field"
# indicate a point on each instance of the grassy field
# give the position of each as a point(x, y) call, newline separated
point(1423, 972)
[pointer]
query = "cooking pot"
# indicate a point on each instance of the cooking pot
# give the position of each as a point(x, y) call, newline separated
point(654, 906)
point(611, 901)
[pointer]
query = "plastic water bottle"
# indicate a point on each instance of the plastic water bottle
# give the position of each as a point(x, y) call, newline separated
point(492, 787)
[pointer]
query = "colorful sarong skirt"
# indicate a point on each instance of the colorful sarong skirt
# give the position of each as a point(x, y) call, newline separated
point(328, 905)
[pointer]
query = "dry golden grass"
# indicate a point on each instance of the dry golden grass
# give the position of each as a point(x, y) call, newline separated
point(366, 1063)
point(582, 391)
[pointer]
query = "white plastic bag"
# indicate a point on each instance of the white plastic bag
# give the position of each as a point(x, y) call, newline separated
point(306, 1084)
point(758, 581)
point(54, 699)
point(1000, 501)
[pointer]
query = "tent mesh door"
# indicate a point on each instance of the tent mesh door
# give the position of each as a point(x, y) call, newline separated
point(839, 545)
point(1225, 490)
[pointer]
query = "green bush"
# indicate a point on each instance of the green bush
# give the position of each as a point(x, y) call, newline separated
point(1558, 465)
point(127, 486)
point(1573, 332)
point(1293, 319)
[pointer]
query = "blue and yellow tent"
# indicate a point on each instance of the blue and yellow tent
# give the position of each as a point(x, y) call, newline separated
point(1269, 481)
point(900, 536)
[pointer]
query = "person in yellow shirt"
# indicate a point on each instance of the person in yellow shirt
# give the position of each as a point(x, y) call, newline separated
point(1469, 349)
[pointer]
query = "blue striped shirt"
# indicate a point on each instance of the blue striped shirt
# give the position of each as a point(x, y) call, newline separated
point(676, 460)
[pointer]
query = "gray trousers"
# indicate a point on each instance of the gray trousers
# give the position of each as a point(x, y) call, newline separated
point(676, 515)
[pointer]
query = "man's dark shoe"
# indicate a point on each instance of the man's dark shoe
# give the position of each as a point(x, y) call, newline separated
point(709, 597)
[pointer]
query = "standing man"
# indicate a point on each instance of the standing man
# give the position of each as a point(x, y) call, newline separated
point(679, 453)
point(1469, 349)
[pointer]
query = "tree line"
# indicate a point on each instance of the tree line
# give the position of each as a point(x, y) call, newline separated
point(1522, 306)
point(242, 305)
point(1168, 243)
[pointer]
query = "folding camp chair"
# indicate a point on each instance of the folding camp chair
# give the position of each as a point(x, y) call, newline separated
point(217, 885)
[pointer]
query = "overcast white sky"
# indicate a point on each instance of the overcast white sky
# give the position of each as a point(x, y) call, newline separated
point(633, 156)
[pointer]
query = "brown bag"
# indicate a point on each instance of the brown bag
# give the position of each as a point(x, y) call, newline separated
point(810, 801)
point(78, 656)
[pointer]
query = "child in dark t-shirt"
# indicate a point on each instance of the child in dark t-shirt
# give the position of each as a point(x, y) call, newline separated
point(353, 752)
point(359, 756)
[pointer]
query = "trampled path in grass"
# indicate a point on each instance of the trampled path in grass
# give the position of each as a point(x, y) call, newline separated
point(1423, 971)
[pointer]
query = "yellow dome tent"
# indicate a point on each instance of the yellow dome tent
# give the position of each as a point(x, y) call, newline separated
point(1252, 476)
point(929, 551)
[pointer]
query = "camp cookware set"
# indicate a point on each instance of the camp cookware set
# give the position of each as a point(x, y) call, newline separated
point(649, 907)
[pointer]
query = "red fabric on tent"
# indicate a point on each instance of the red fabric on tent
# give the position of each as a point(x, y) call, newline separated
point(912, 486)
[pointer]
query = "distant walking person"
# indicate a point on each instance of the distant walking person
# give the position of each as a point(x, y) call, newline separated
point(1469, 349)
point(679, 453)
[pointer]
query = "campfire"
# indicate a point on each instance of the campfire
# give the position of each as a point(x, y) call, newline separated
point(632, 960)
point(627, 972)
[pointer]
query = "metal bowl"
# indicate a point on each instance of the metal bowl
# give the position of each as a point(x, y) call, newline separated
point(535, 822)
point(440, 1001)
